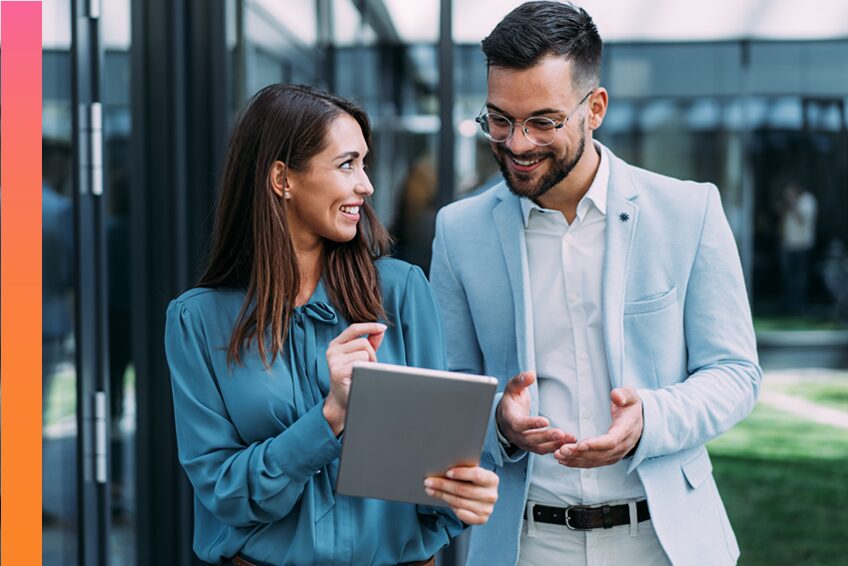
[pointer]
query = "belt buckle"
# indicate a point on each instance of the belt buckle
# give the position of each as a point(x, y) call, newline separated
point(568, 518)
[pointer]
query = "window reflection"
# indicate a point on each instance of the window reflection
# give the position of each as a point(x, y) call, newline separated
point(59, 378)
point(396, 83)
point(754, 120)
point(117, 129)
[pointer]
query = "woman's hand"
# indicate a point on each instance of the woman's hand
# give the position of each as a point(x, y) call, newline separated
point(471, 492)
point(345, 349)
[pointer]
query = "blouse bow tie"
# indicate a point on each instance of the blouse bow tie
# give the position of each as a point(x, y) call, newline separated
point(311, 382)
point(321, 312)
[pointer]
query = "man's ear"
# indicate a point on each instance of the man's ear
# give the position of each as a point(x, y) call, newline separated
point(598, 104)
point(278, 179)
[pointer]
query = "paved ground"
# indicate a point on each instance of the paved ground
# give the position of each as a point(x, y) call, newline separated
point(799, 407)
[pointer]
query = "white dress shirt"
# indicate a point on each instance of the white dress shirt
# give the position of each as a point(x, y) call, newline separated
point(566, 263)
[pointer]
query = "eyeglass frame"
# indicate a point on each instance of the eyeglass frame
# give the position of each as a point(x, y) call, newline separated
point(512, 124)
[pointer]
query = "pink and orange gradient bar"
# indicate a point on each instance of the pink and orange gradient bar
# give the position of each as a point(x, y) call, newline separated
point(20, 280)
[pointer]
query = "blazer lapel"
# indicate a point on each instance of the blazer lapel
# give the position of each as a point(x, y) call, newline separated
point(510, 229)
point(621, 219)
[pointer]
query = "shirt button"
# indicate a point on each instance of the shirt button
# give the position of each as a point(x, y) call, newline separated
point(584, 356)
point(568, 238)
point(317, 472)
point(586, 414)
point(572, 297)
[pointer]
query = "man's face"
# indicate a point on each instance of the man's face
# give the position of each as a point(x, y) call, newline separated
point(544, 90)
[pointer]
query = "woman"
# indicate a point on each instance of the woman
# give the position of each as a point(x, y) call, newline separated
point(261, 352)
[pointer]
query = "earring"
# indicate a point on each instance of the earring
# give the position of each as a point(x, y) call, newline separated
point(288, 194)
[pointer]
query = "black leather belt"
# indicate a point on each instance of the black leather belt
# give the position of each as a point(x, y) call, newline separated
point(587, 517)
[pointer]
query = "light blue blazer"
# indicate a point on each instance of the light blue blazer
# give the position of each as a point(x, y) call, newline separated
point(677, 327)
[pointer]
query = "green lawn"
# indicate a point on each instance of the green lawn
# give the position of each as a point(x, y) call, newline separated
point(798, 323)
point(785, 484)
point(61, 397)
point(829, 393)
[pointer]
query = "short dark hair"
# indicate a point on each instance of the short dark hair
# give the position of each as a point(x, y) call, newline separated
point(535, 30)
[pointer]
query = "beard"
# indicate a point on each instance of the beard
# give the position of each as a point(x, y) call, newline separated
point(520, 184)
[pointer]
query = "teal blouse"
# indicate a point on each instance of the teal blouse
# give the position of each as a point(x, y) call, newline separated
point(257, 449)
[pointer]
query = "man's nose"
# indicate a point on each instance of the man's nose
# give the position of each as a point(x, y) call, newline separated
point(519, 143)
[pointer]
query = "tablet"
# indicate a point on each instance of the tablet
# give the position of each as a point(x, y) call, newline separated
point(404, 424)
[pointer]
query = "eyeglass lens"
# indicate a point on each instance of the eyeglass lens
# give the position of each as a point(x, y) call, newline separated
point(540, 130)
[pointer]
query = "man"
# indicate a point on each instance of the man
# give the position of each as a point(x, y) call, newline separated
point(615, 297)
point(798, 237)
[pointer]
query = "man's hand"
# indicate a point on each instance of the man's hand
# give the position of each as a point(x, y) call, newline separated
point(623, 434)
point(515, 423)
point(471, 492)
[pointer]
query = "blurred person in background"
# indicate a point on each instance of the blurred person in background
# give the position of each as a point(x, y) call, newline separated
point(57, 235)
point(296, 290)
point(798, 236)
point(615, 297)
point(416, 213)
point(834, 272)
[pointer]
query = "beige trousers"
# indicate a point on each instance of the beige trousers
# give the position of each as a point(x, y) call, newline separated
point(543, 544)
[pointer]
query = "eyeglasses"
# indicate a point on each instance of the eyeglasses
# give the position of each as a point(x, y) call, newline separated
point(538, 129)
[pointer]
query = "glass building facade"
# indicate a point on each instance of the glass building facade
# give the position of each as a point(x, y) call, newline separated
point(139, 99)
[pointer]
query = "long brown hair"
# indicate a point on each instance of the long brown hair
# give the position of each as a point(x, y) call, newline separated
point(251, 243)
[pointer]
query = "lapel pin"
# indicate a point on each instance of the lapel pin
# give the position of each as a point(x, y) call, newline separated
point(624, 217)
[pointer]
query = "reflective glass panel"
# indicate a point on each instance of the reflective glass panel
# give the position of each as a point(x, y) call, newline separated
point(59, 377)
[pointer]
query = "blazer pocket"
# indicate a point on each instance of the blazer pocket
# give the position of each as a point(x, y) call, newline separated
point(652, 304)
point(697, 468)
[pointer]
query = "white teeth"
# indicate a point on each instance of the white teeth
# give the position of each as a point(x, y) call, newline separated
point(526, 163)
point(350, 209)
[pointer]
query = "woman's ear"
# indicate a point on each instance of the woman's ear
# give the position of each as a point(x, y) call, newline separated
point(279, 182)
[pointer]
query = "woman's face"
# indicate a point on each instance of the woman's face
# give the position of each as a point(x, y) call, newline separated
point(324, 201)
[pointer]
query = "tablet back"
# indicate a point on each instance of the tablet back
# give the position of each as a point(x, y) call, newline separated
point(404, 424)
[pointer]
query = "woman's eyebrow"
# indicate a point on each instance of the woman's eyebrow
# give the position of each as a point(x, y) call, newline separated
point(347, 154)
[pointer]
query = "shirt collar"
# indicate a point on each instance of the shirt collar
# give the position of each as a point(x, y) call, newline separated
point(597, 193)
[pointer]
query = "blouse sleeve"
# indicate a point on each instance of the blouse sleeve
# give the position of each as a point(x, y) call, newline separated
point(425, 347)
point(241, 484)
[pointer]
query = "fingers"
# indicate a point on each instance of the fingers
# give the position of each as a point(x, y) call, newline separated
point(376, 339)
point(523, 424)
point(536, 436)
point(341, 365)
point(589, 458)
point(611, 447)
point(615, 437)
point(470, 491)
point(471, 500)
point(544, 441)
point(602, 450)
point(610, 441)
point(545, 448)
point(624, 396)
point(356, 345)
point(474, 474)
point(520, 382)
point(359, 329)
